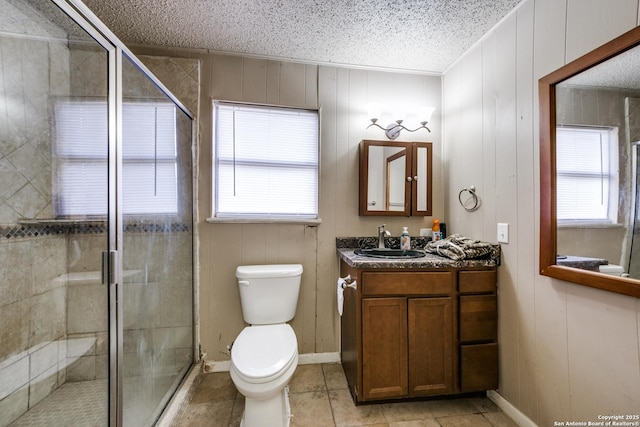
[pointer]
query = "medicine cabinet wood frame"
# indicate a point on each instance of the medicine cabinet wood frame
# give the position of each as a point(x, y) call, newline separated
point(418, 166)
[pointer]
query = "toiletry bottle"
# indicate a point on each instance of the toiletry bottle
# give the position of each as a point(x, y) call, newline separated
point(436, 230)
point(443, 230)
point(405, 240)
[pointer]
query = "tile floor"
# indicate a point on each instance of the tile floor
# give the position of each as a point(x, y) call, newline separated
point(319, 397)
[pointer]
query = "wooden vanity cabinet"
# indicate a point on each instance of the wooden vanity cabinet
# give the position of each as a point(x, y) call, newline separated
point(400, 333)
point(403, 343)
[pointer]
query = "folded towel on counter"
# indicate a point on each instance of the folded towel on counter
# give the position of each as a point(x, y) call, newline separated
point(458, 247)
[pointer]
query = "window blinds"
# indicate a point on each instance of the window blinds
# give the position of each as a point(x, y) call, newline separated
point(149, 158)
point(585, 173)
point(266, 162)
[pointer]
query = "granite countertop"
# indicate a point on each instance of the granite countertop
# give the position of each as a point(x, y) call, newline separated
point(584, 263)
point(347, 245)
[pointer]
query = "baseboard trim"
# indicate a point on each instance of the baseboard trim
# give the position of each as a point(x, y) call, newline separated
point(511, 411)
point(313, 358)
point(303, 359)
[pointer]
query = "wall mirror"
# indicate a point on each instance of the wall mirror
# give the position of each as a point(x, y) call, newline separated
point(395, 178)
point(589, 169)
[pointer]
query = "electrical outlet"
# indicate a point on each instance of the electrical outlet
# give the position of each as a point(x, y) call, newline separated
point(503, 232)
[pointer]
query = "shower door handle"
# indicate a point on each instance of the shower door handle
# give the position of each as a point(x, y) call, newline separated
point(108, 267)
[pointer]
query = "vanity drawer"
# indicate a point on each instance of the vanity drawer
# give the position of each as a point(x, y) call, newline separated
point(477, 281)
point(409, 283)
point(478, 318)
point(478, 367)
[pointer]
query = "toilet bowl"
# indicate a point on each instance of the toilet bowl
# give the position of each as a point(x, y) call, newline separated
point(264, 356)
point(263, 359)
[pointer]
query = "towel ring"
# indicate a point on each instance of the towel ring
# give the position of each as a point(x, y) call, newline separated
point(474, 197)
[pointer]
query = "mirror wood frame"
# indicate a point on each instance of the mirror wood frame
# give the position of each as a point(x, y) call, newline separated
point(548, 224)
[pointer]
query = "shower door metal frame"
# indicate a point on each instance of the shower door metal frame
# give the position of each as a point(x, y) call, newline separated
point(116, 51)
point(111, 272)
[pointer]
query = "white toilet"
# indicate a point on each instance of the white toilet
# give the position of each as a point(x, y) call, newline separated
point(265, 354)
point(612, 269)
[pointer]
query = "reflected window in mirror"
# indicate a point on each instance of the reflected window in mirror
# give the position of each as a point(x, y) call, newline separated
point(587, 175)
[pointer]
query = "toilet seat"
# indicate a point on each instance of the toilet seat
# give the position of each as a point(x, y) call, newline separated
point(262, 353)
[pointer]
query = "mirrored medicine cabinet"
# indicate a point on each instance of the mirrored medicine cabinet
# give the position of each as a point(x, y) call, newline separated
point(395, 178)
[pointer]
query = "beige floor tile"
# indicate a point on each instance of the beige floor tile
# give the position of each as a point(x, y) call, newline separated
point(472, 420)
point(483, 404)
point(334, 376)
point(448, 407)
point(406, 411)
point(500, 419)
point(208, 414)
point(415, 423)
point(311, 409)
point(213, 387)
point(307, 378)
point(320, 398)
point(346, 413)
point(238, 410)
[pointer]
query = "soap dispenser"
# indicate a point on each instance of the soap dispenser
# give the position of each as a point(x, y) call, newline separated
point(405, 240)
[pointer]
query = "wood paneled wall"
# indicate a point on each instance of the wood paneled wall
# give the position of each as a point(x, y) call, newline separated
point(567, 352)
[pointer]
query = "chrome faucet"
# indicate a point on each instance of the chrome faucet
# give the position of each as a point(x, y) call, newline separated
point(381, 233)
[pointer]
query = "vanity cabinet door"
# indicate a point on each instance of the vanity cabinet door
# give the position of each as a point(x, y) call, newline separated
point(407, 347)
point(384, 348)
point(430, 346)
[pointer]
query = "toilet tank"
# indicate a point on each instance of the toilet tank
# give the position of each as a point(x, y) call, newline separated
point(611, 269)
point(269, 293)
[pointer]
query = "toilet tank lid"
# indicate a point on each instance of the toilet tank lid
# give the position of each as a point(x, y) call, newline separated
point(273, 270)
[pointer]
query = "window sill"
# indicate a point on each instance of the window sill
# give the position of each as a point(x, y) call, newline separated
point(586, 224)
point(303, 221)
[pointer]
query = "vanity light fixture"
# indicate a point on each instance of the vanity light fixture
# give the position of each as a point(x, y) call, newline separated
point(393, 129)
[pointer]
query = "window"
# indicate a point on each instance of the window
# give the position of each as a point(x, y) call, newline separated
point(587, 174)
point(265, 162)
point(149, 158)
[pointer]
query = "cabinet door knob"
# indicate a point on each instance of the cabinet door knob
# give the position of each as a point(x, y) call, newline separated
point(415, 178)
point(409, 178)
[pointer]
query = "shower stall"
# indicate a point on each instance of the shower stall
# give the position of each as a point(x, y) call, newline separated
point(96, 225)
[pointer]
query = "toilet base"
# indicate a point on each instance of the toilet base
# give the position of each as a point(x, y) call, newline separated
point(272, 412)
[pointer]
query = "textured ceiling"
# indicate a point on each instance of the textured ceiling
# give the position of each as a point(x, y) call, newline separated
point(618, 72)
point(413, 35)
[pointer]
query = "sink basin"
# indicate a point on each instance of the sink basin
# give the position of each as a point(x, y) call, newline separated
point(390, 253)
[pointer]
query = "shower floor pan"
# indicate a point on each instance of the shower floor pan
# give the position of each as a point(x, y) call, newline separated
point(84, 404)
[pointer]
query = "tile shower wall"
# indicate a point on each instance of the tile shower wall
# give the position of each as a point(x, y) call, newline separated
point(33, 353)
point(33, 308)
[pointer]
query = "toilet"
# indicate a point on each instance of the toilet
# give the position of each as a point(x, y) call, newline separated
point(265, 354)
point(612, 269)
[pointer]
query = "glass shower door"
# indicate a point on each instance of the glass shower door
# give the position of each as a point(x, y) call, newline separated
point(157, 315)
point(54, 145)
